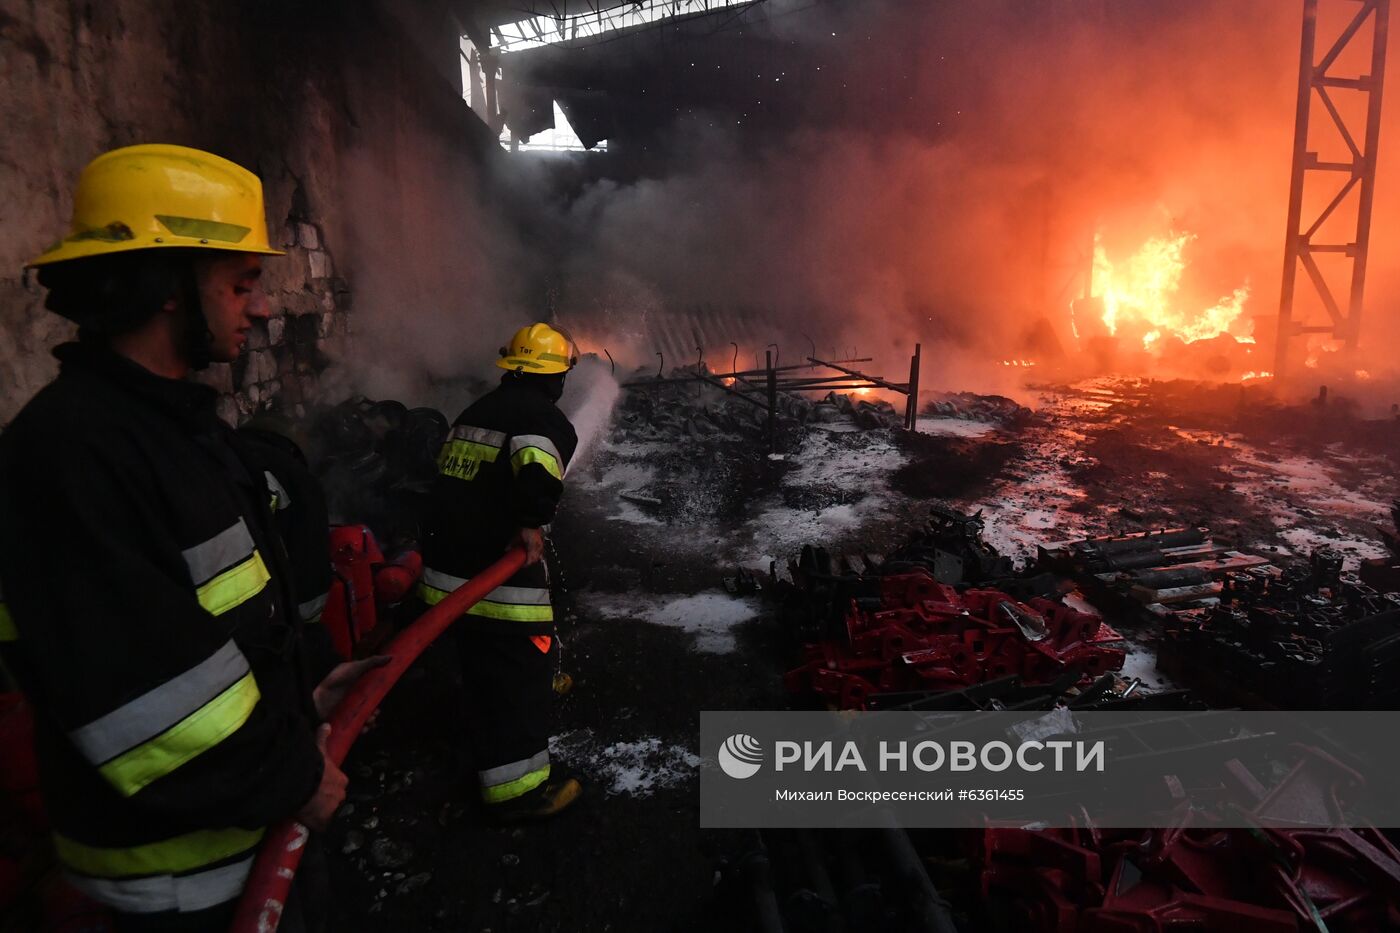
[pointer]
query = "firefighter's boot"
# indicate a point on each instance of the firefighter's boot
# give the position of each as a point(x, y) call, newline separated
point(559, 791)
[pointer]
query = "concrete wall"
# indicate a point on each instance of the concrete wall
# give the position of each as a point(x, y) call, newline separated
point(372, 163)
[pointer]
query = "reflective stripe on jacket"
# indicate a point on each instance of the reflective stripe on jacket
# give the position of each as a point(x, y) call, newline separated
point(500, 469)
point(148, 619)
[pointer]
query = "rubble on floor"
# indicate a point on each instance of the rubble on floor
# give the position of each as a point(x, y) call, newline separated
point(919, 630)
point(699, 410)
point(871, 626)
point(1301, 638)
point(1093, 880)
point(968, 406)
point(1154, 571)
point(684, 485)
point(919, 635)
point(376, 460)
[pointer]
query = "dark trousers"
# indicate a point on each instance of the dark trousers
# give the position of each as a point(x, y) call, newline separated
point(509, 694)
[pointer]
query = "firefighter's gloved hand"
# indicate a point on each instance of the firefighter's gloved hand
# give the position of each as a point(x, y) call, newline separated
point(318, 811)
point(332, 690)
point(532, 540)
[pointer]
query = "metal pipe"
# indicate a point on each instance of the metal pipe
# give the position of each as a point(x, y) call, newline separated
point(814, 380)
point(772, 404)
point(1284, 333)
point(860, 375)
point(738, 374)
point(828, 387)
point(911, 408)
point(1380, 28)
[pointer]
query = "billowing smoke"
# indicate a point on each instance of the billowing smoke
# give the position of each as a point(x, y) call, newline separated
point(944, 181)
point(1011, 133)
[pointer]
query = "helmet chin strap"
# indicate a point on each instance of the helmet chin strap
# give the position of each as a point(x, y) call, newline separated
point(199, 339)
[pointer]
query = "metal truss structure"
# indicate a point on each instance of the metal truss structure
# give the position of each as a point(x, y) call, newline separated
point(1316, 83)
point(551, 22)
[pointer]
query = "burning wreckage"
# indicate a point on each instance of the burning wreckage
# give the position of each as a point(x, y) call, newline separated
point(1163, 618)
point(1174, 508)
point(978, 605)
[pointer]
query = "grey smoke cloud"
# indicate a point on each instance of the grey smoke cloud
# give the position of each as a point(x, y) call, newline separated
point(1015, 131)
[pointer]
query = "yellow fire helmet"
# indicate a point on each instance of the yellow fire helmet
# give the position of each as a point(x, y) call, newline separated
point(540, 349)
point(152, 196)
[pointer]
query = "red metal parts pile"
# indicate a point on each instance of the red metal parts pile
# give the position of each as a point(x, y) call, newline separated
point(1159, 880)
point(925, 636)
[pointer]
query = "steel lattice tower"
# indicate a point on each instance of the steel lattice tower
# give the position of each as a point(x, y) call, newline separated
point(1316, 84)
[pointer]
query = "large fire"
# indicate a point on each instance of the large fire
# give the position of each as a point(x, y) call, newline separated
point(1144, 287)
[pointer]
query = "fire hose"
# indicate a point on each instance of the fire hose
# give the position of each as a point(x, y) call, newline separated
point(270, 880)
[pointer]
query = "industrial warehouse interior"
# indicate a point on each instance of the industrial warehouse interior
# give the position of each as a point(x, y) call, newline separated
point(618, 369)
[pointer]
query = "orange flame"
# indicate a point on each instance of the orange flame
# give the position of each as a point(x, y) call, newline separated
point(1144, 288)
point(1262, 375)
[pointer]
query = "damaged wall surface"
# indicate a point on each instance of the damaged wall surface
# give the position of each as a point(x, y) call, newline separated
point(369, 157)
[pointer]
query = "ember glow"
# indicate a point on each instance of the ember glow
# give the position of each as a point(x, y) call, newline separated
point(1144, 287)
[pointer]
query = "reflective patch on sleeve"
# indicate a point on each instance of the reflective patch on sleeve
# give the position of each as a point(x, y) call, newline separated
point(535, 448)
point(522, 441)
point(157, 732)
point(235, 586)
point(226, 549)
point(199, 732)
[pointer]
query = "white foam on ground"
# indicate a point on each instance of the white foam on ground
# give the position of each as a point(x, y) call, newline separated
point(787, 527)
point(710, 617)
point(632, 514)
point(954, 427)
point(1303, 541)
point(1141, 662)
point(1022, 513)
point(1310, 506)
point(634, 769)
point(824, 463)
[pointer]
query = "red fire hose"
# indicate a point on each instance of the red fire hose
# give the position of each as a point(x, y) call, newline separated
point(260, 910)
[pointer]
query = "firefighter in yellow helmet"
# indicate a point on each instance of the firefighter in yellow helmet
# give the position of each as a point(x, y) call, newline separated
point(147, 610)
point(500, 476)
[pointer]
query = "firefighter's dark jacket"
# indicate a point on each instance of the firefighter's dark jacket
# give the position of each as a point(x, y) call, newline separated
point(501, 469)
point(298, 505)
point(147, 616)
